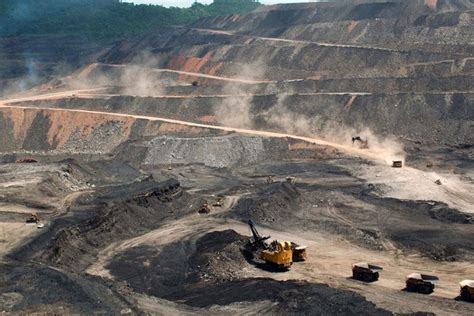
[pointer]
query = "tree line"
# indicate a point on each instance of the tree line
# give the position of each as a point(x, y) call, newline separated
point(103, 19)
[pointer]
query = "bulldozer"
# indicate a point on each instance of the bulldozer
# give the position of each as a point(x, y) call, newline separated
point(467, 290)
point(277, 254)
point(421, 283)
point(366, 272)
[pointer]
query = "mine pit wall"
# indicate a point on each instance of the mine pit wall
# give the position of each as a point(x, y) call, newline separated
point(445, 28)
point(283, 61)
point(371, 85)
point(48, 131)
point(284, 15)
point(451, 75)
point(425, 118)
point(427, 25)
point(214, 55)
point(224, 151)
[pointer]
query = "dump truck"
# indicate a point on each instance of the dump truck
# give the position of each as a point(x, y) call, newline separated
point(204, 209)
point(278, 254)
point(397, 164)
point(299, 252)
point(421, 283)
point(270, 179)
point(366, 272)
point(363, 143)
point(33, 219)
point(467, 290)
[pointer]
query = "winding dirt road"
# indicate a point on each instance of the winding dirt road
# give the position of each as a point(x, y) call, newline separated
point(343, 148)
point(276, 39)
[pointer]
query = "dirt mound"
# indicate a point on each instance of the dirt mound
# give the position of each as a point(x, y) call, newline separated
point(297, 297)
point(133, 214)
point(37, 289)
point(279, 200)
point(219, 256)
point(215, 257)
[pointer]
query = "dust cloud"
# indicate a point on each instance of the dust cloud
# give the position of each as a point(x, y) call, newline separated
point(238, 113)
point(386, 148)
point(137, 78)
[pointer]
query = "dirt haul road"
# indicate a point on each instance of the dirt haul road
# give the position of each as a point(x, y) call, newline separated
point(368, 154)
point(180, 72)
point(275, 39)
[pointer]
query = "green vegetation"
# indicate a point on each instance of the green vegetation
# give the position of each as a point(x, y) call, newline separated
point(108, 20)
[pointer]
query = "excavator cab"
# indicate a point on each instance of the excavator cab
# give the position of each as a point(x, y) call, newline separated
point(279, 254)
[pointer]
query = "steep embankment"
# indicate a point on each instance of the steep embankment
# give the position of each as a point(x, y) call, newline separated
point(409, 116)
point(44, 130)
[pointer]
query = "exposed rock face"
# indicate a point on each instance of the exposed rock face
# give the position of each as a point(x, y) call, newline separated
point(217, 152)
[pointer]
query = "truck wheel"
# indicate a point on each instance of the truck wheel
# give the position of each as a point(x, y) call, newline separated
point(375, 277)
point(465, 295)
point(411, 287)
point(425, 289)
point(367, 277)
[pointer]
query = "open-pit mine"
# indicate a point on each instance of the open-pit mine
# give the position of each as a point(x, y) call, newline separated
point(344, 130)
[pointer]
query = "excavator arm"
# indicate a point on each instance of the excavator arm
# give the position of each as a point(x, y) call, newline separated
point(259, 241)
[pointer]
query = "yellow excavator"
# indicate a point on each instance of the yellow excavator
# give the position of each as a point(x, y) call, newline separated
point(280, 254)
